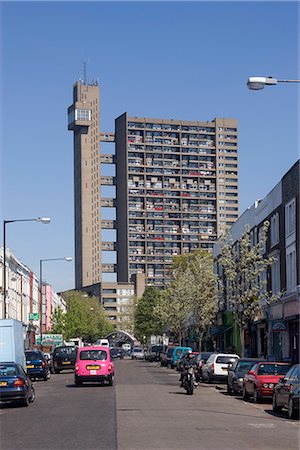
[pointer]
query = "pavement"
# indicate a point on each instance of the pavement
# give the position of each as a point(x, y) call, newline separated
point(145, 410)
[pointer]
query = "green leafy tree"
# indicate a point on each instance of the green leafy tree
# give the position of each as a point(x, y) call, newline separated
point(145, 320)
point(85, 317)
point(191, 297)
point(58, 321)
point(244, 278)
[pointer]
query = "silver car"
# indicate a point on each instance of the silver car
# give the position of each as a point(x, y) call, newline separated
point(137, 353)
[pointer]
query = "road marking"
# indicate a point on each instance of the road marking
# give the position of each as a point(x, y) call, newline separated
point(261, 425)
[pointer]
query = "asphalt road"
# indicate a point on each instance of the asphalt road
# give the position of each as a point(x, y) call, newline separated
point(144, 410)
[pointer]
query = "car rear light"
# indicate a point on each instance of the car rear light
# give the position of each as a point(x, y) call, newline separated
point(109, 367)
point(212, 367)
point(43, 363)
point(18, 382)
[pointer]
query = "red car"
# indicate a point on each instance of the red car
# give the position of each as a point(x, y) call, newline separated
point(259, 382)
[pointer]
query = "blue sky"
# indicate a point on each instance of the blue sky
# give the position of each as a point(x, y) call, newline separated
point(181, 60)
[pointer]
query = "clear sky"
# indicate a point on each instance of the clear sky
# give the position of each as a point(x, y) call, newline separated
point(181, 60)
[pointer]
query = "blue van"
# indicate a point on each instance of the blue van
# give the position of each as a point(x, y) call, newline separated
point(177, 352)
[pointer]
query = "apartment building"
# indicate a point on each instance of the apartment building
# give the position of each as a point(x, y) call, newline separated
point(176, 190)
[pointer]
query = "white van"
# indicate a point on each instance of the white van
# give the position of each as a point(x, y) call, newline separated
point(102, 342)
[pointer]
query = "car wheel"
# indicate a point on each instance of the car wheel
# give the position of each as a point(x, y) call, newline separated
point(292, 412)
point(256, 396)
point(229, 390)
point(245, 394)
point(111, 380)
point(209, 379)
point(56, 371)
point(275, 407)
point(78, 383)
point(25, 401)
point(32, 397)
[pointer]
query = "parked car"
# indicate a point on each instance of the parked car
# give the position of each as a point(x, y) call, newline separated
point(216, 367)
point(154, 352)
point(64, 358)
point(167, 356)
point(15, 384)
point(94, 364)
point(176, 354)
point(36, 365)
point(237, 372)
point(286, 392)
point(137, 353)
point(261, 379)
point(202, 358)
point(117, 352)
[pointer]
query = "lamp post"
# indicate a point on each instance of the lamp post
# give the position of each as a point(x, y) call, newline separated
point(257, 83)
point(44, 220)
point(64, 258)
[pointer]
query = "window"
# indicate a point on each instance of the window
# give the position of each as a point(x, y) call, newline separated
point(291, 267)
point(274, 229)
point(275, 274)
point(290, 217)
point(93, 355)
point(82, 114)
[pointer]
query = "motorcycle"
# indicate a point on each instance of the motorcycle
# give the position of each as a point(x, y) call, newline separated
point(188, 381)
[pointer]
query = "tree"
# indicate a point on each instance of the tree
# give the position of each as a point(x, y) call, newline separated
point(145, 320)
point(244, 278)
point(85, 318)
point(203, 294)
point(191, 298)
point(58, 321)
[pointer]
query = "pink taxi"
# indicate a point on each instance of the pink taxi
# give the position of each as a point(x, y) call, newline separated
point(94, 364)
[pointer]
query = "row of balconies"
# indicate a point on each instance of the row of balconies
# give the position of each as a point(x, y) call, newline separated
point(203, 150)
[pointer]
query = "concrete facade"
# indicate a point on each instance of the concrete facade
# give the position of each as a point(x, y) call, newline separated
point(176, 190)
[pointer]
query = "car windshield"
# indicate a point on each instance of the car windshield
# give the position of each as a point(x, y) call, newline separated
point(225, 359)
point(244, 366)
point(7, 370)
point(170, 352)
point(94, 355)
point(137, 350)
point(65, 351)
point(156, 348)
point(273, 369)
point(33, 356)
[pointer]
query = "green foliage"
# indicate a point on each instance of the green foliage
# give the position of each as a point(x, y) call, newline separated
point(244, 277)
point(191, 298)
point(145, 320)
point(58, 321)
point(85, 318)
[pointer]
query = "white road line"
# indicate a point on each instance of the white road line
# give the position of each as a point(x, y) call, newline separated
point(262, 425)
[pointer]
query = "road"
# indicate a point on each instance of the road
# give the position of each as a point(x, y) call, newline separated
point(144, 410)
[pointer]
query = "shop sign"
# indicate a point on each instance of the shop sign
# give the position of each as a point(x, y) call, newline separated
point(279, 325)
point(33, 316)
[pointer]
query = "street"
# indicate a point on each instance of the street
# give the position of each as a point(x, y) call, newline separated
point(144, 410)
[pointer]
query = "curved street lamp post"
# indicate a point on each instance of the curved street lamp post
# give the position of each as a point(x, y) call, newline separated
point(44, 220)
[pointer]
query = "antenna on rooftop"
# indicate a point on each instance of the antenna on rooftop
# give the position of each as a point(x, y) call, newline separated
point(84, 72)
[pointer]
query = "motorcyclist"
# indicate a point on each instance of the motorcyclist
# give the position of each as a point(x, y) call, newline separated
point(188, 362)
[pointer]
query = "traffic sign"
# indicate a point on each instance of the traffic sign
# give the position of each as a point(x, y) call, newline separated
point(33, 316)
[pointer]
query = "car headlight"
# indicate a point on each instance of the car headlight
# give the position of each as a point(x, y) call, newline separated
point(241, 380)
point(265, 385)
point(271, 385)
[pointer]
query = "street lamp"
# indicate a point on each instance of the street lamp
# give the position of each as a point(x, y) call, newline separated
point(44, 220)
point(64, 258)
point(257, 83)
